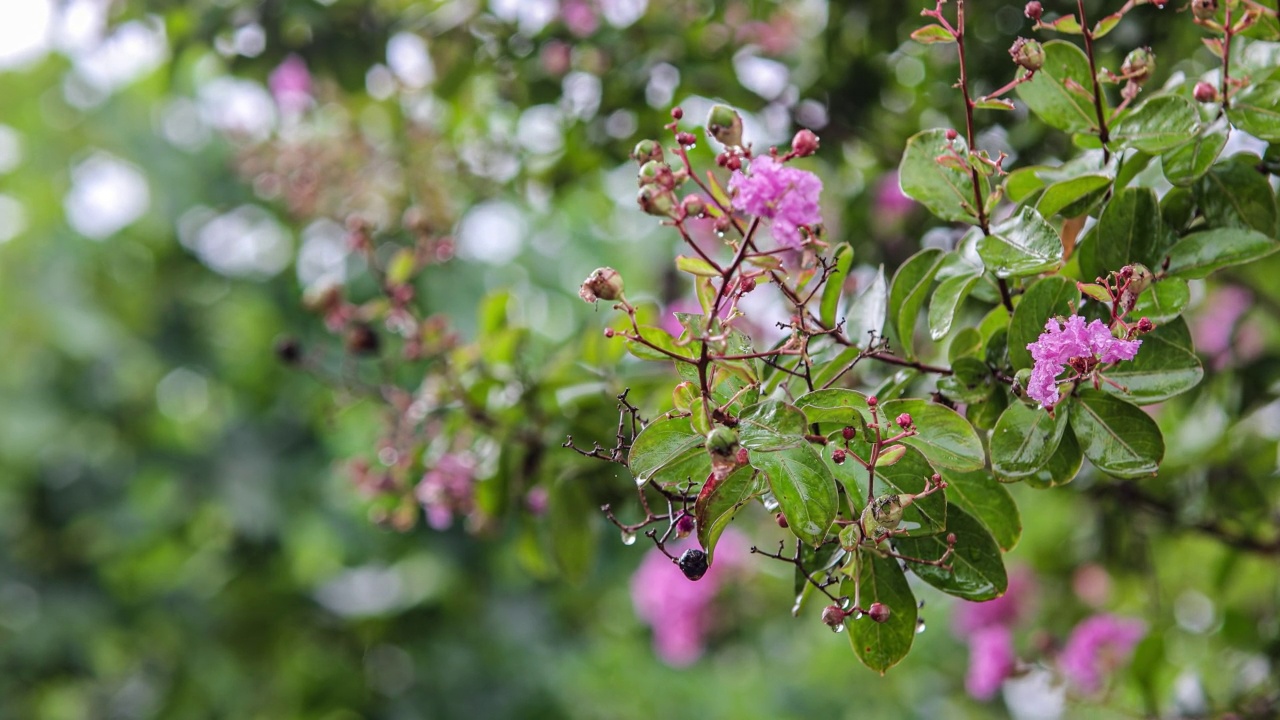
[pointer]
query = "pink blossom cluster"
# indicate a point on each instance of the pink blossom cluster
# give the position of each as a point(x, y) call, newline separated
point(1097, 645)
point(290, 85)
point(681, 611)
point(987, 627)
point(447, 489)
point(788, 197)
point(1062, 343)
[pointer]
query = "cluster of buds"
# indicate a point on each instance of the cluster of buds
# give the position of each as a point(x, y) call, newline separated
point(833, 616)
point(1135, 71)
point(658, 181)
point(1121, 290)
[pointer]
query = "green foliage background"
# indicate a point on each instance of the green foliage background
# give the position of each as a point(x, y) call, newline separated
point(175, 564)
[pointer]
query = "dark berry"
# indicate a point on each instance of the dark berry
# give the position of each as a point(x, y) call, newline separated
point(693, 563)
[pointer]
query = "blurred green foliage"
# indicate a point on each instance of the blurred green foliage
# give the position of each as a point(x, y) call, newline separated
point(179, 539)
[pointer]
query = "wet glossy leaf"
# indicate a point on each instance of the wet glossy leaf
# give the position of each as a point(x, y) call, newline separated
point(835, 284)
point(838, 406)
point(983, 497)
point(1163, 301)
point(1199, 254)
point(1129, 231)
point(1235, 194)
point(660, 345)
point(1024, 439)
point(977, 566)
point(804, 488)
point(1186, 164)
point(944, 436)
point(1063, 467)
point(1161, 123)
point(867, 314)
point(667, 452)
point(1048, 95)
point(1049, 297)
point(1022, 245)
point(945, 190)
point(695, 266)
point(946, 300)
point(907, 293)
point(880, 646)
point(1256, 110)
point(1166, 365)
point(1074, 196)
point(771, 425)
point(718, 503)
point(1117, 436)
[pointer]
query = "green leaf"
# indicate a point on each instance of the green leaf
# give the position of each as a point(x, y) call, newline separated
point(571, 517)
point(1074, 195)
point(1063, 467)
point(1199, 254)
point(1235, 194)
point(1256, 110)
point(838, 406)
point(695, 266)
point(1129, 230)
point(946, 299)
point(992, 104)
point(880, 646)
point(945, 190)
point(1117, 436)
point(909, 290)
point(1050, 297)
point(967, 342)
point(983, 497)
point(1166, 365)
point(1106, 25)
point(1024, 439)
point(668, 451)
point(804, 488)
point(1049, 97)
point(1022, 245)
point(1188, 163)
point(977, 568)
point(771, 425)
point(867, 314)
point(1163, 301)
point(944, 436)
point(718, 503)
point(970, 381)
point(662, 340)
point(1161, 123)
point(930, 34)
point(1021, 183)
point(835, 285)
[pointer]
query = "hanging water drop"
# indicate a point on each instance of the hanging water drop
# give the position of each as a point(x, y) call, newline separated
point(837, 628)
point(919, 626)
point(628, 537)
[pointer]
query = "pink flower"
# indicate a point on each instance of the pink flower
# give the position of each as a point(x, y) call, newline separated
point(579, 17)
point(447, 489)
point(1004, 611)
point(1098, 645)
point(991, 660)
point(890, 201)
point(787, 196)
point(290, 85)
point(681, 611)
point(1060, 345)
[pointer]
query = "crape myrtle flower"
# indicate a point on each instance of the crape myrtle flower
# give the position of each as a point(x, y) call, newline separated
point(447, 489)
point(1014, 605)
point(786, 196)
point(290, 85)
point(1098, 645)
point(991, 661)
point(1072, 344)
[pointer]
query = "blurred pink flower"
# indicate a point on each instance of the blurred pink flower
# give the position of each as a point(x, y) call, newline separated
point(786, 196)
point(679, 610)
point(1098, 645)
point(290, 85)
point(1061, 343)
point(1004, 611)
point(991, 661)
point(890, 202)
point(579, 17)
point(447, 489)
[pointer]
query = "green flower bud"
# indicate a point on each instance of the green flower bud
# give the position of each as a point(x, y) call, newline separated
point(656, 201)
point(602, 284)
point(725, 124)
point(1138, 65)
point(647, 150)
point(722, 441)
point(1027, 54)
point(651, 171)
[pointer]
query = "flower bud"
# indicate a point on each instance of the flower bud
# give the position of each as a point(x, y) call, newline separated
point(952, 134)
point(879, 611)
point(647, 150)
point(677, 113)
point(848, 432)
point(722, 441)
point(1033, 11)
point(904, 420)
point(743, 456)
point(289, 351)
point(602, 284)
point(651, 171)
point(693, 206)
point(1145, 326)
point(686, 139)
point(655, 200)
point(1204, 9)
point(782, 521)
point(725, 124)
point(805, 143)
point(1205, 92)
point(361, 339)
point(1027, 54)
point(871, 400)
point(684, 526)
point(885, 512)
point(1138, 65)
point(837, 456)
point(833, 616)
point(693, 563)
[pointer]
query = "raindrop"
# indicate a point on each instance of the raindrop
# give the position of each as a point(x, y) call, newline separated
point(920, 604)
point(628, 537)
point(919, 626)
point(857, 615)
point(837, 628)
point(846, 602)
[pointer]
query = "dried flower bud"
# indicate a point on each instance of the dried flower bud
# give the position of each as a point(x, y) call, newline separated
point(1145, 326)
point(805, 143)
point(879, 611)
point(1138, 65)
point(1204, 9)
point(904, 420)
point(1033, 11)
point(1205, 92)
point(833, 616)
point(1027, 54)
point(693, 563)
point(602, 284)
point(837, 456)
point(361, 339)
point(647, 150)
point(655, 200)
point(848, 432)
point(725, 124)
point(685, 525)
